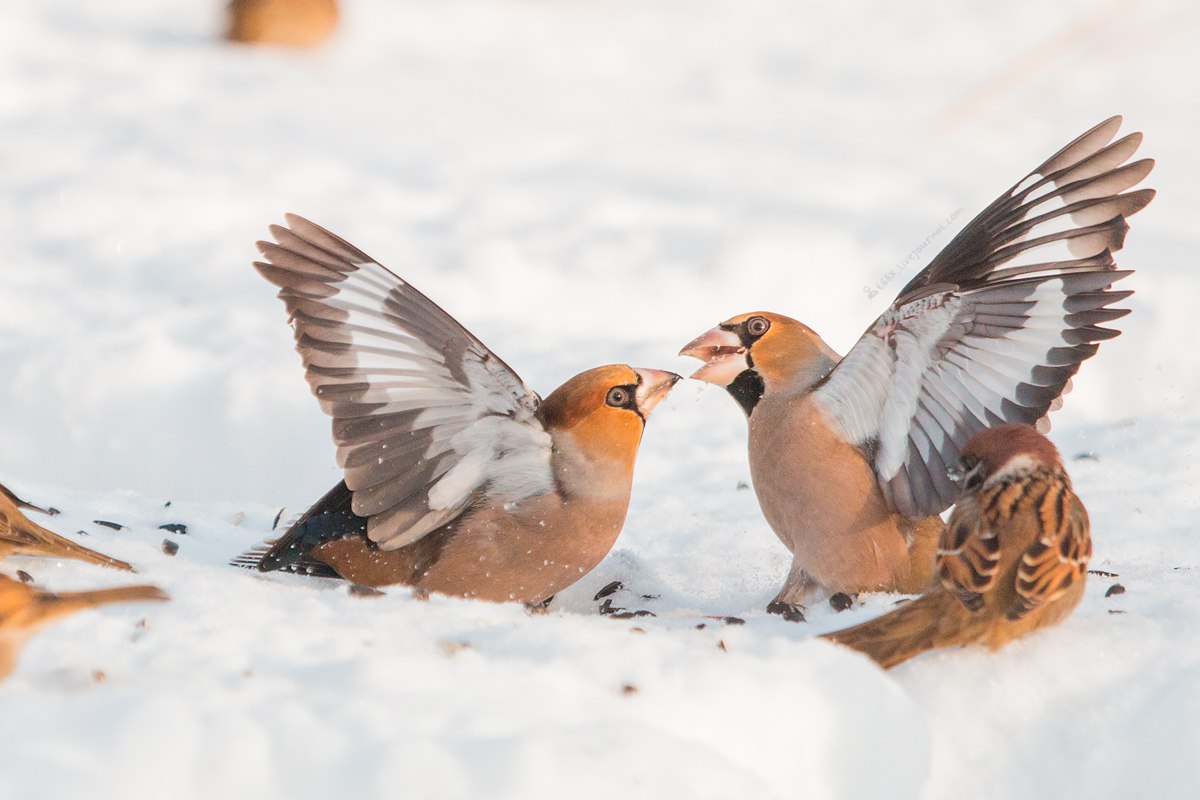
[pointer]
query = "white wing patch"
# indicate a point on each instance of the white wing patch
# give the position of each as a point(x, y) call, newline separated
point(426, 419)
point(995, 327)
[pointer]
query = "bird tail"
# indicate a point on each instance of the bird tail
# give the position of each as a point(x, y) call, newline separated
point(330, 518)
point(929, 622)
point(51, 605)
point(43, 542)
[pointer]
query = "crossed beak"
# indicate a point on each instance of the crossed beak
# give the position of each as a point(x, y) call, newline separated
point(723, 355)
point(653, 387)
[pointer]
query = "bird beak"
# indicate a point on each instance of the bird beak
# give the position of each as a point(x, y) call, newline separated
point(723, 354)
point(653, 386)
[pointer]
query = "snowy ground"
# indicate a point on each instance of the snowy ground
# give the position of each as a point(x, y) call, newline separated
point(579, 182)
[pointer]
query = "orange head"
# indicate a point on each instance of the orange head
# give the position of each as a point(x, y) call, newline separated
point(760, 352)
point(1003, 453)
point(604, 410)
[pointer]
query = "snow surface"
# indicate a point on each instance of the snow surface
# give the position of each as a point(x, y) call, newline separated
point(579, 182)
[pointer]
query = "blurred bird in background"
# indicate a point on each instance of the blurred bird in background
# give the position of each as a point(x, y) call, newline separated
point(24, 609)
point(21, 536)
point(294, 23)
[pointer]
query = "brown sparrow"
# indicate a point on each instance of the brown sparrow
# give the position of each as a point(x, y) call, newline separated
point(21, 536)
point(24, 609)
point(1013, 557)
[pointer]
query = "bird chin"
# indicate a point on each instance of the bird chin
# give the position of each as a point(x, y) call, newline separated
point(722, 369)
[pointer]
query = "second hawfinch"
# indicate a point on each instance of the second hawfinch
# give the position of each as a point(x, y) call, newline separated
point(24, 609)
point(849, 455)
point(21, 536)
point(458, 478)
point(1012, 559)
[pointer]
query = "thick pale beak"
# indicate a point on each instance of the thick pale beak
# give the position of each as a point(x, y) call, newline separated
point(723, 354)
point(654, 386)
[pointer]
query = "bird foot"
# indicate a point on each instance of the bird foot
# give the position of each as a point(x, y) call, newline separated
point(539, 608)
point(789, 611)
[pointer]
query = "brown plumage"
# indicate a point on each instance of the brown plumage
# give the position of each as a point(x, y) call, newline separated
point(1012, 559)
point(21, 536)
point(24, 609)
point(458, 478)
point(849, 455)
point(295, 23)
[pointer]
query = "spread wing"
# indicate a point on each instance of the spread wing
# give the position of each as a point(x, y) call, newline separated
point(425, 417)
point(994, 328)
point(968, 556)
point(1058, 559)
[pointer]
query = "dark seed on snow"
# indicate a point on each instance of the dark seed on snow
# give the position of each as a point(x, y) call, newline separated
point(611, 588)
point(841, 601)
point(24, 577)
point(628, 689)
point(169, 547)
point(174, 527)
point(1116, 588)
point(733, 620)
point(1102, 573)
point(1115, 611)
point(116, 526)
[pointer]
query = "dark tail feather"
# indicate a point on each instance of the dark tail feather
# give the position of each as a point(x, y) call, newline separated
point(929, 622)
point(330, 518)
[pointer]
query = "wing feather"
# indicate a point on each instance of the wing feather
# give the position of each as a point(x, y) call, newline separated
point(426, 419)
point(993, 330)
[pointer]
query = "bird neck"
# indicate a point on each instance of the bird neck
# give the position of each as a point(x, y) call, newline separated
point(590, 472)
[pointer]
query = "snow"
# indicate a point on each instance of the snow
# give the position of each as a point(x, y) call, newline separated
point(579, 183)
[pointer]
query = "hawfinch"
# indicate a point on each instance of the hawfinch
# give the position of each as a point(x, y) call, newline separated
point(24, 609)
point(849, 455)
point(21, 536)
point(1012, 559)
point(293, 23)
point(457, 478)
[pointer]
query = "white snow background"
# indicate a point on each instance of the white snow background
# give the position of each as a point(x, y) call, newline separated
point(579, 182)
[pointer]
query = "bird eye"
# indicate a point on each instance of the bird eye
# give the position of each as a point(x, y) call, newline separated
point(757, 326)
point(618, 396)
point(969, 474)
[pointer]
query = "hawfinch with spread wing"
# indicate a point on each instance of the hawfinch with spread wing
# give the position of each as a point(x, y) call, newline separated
point(457, 478)
point(849, 455)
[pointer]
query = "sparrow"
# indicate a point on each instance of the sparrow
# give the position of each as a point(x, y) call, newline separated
point(848, 456)
point(457, 478)
point(21, 536)
point(24, 609)
point(296, 23)
point(1013, 557)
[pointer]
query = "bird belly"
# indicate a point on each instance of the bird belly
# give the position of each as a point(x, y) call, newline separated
point(820, 496)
